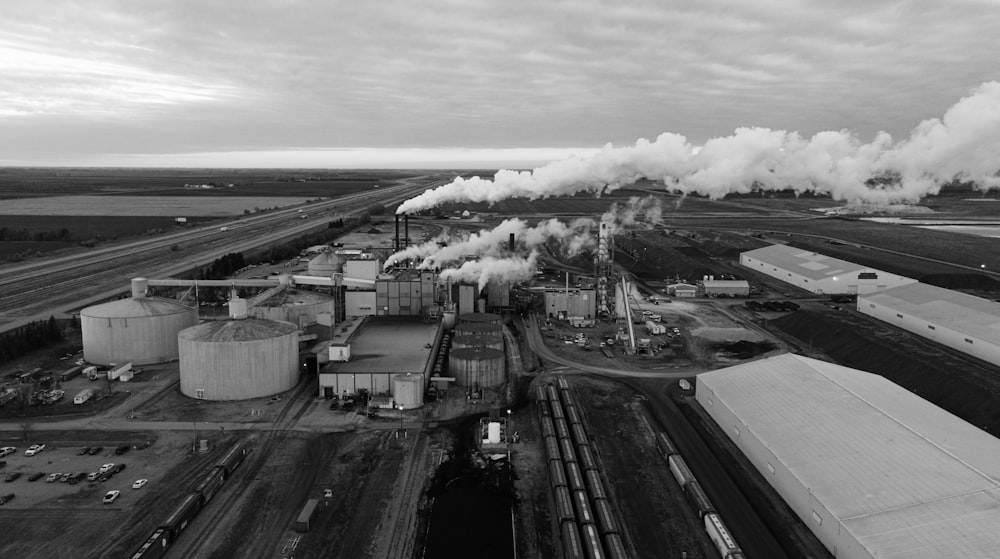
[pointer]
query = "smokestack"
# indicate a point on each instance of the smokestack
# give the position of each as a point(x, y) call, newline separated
point(396, 242)
point(512, 242)
point(406, 230)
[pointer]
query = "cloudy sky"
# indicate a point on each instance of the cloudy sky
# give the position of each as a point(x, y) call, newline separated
point(449, 83)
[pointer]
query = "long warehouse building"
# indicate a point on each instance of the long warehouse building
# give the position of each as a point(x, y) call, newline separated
point(818, 273)
point(871, 469)
point(963, 322)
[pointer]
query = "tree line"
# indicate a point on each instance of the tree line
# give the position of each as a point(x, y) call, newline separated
point(35, 335)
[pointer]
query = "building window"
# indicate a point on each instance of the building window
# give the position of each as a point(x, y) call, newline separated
point(770, 468)
point(899, 315)
point(817, 518)
point(871, 305)
point(931, 327)
point(199, 393)
point(968, 341)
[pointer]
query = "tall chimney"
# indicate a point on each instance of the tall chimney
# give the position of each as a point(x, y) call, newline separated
point(396, 245)
point(406, 230)
point(512, 242)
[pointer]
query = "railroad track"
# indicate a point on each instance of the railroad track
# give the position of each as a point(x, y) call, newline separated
point(406, 500)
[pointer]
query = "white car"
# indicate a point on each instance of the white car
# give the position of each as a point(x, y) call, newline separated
point(110, 496)
point(139, 483)
point(7, 450)
point(34, 449)
point(106, 468)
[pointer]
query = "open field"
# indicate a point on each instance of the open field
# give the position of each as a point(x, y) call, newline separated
point(199, 206)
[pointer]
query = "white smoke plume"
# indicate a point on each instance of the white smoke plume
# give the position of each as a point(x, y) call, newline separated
point(490, 268)
point(572, 238)
point(646, 209)
point(964, 144)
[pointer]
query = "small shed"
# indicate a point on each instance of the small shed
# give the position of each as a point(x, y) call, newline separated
point(727, 288)
point(682, 290)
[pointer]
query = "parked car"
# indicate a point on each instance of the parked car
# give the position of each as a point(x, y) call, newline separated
point(118, 468)
point(92, 476)
point(110, 496)
point(104, 477)
point(36, 476)
point(140, 483)
point(65, 477)
point(34, 449)
point(95, 450)
point(6, 498)
point(7, 450)
point(83, 451)
point(122, 449)
point(53, 477)
point(106, 468)
point(12, 476)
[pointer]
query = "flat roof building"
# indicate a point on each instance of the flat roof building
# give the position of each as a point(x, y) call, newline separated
point(730, 288)
point(380, 349)
point(963, 322)
point(870, 468)
point(818, 273)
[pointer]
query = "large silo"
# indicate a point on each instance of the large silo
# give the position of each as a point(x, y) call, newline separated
point(408, 391)
point(476, 366)
point(139, 329)
point(238, 359)
point(478, 340)
point(325, 265)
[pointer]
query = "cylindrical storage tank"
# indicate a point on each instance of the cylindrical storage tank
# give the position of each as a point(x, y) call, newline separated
point(238, 359)
point(408, 391)
point(325, 265)
point(478, 328)
point(448, 320)
point(473, 366)
point(484, 317)
point(142, 330)
point(478, 340)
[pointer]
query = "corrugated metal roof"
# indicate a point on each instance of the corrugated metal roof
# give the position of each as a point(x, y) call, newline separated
point(135, 307)
point(806, 263)
point(907, 478)
point(963, 313)
point(726, 283)
point(243, 330)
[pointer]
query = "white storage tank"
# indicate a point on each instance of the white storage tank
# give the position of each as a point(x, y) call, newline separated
point(478, 340)
point(238, 359)
point(325, 265)
point(139, 329)
point(408, 391)
point(476, 366)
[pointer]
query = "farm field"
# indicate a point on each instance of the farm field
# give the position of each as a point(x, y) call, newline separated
point(198, 206)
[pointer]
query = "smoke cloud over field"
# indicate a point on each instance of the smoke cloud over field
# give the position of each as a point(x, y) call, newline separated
point(964, 144)
point(636, 210)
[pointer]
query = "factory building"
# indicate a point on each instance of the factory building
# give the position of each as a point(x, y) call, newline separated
point(404, 293)
point(682, 290)
point(563, 303)
point(466, 298)
point(817, 273)
point(139, 329)
point(380, 350)
point(726, 288)
point(963, 322)
point(239, 358)
point(870, 468)
point(297, 306)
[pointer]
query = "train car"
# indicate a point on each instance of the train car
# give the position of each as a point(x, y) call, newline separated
point(581, 504)
point(541, 394)
point(605, 516)
point(720, 536)
point(553, 395)
point(548, 428)
point(568, 452)
point(154, 547)
point(557, 476)
point(574, 477)
point(679, 468)
point(572, 548)
point(579, 434)
point(586, 457)
point(552, 448)
point(211, 484)
point(698, 499)
point(592, 548)
point(562, 383)
point(557, 410)
point(595, 486)
point(615, 547)
point(573, 416)
point(568, 401)
point(562, 428)
point(182, 516)
point(564, 505)
point(234, 457)
point(305, 518)
point(665, 445)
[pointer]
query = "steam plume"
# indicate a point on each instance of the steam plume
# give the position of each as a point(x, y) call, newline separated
point(637, 209)
point(489, 268)
point(963, 144)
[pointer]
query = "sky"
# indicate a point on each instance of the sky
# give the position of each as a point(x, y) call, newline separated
point(464, 83)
